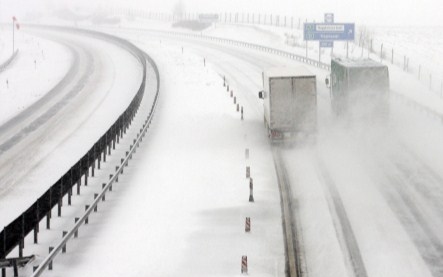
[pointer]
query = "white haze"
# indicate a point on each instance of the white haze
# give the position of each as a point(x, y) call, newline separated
point(374, 12)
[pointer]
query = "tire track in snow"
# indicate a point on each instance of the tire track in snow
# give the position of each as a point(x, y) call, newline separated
point(342, 225)
point(53, 110)
point(413, 213)
point(295, 262)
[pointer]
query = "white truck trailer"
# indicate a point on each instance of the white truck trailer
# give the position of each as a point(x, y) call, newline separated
point(290, 102)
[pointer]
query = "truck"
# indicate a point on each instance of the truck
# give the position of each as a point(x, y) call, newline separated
point(290, 102)
point(359, 86)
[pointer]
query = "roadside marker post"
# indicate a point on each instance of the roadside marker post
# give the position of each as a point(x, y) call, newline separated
point(251, 190)
point(244, 264)
point(248, 225)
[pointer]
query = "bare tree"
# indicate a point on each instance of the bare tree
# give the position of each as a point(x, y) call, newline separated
point(364, 36)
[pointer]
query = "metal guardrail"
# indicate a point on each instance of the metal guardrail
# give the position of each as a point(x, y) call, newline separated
point(56, 250)
point(14, 233)
point(249, 45)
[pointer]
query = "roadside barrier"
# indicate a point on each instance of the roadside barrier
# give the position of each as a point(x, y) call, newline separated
point(247, 45)
point(13, 234)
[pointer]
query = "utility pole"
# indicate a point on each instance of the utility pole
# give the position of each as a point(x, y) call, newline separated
point(13, 35)
point(14, 24)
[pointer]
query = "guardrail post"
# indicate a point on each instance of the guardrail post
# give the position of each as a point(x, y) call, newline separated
point(14, 265)
point(48, 220)
point(116, 174)
point(50, 263)
point(59, 207)
point(110, 177)
point(36, 234)
point(104, 195)
point(69, 196)
point(87, 218)
point(122, 165)
point(96, 206)
point(93, 169)
point(21, 245)
point(127, 154)
point(241, 113)
point(76, 232)
point(64, 246)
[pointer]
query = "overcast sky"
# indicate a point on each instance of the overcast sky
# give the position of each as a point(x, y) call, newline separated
point(370, 12)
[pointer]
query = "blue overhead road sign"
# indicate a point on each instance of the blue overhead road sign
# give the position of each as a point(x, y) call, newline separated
point(329, 31)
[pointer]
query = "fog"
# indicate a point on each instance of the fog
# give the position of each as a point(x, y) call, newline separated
point(375, 12)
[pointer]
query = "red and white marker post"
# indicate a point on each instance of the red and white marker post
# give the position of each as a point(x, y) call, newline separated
point(244, 264)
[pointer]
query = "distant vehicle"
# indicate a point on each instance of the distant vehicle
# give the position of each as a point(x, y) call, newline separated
point(359, 84)
point(290, 102)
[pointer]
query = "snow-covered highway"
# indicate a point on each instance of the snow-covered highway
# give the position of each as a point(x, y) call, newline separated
point(398, 251)
point(367, 194)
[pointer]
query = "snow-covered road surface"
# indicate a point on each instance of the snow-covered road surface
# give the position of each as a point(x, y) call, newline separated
point(39, 145)
point(387, 246)
point(180, 207)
